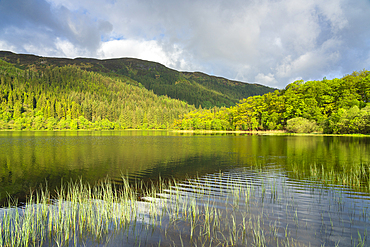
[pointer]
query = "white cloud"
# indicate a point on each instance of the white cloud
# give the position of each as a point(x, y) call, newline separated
point(4, 46)
point(268, 79)
point(270, 40)
point(68, 49)
point(142, 49)
point(147, 50)
point(316, 59)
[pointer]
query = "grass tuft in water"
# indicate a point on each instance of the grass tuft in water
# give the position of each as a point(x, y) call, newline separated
point(222, 209)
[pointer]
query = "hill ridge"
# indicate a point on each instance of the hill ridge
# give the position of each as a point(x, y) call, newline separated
point(197, 88)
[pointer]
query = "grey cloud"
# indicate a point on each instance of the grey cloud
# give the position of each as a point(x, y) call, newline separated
point(23, 13)
point(36, 23)
point(275, 41)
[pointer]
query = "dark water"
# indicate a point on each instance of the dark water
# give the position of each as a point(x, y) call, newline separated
point(310, 190)
point(28, 159)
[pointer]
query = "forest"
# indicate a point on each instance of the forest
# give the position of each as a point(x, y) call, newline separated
point(58, 98)
point(54, 94)
point(337, 106)
point(195, 88)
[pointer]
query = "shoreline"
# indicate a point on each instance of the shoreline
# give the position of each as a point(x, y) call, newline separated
point(252, 132)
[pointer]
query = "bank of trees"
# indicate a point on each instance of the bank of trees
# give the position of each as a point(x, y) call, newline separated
point(195, 88)
point(71, 98)
point(332, 106)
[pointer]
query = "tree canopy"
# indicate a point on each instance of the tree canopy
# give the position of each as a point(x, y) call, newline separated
point(335, 106)
point(71, 98)
point(195, 88)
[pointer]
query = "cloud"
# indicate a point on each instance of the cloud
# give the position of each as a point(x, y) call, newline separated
point(142, 49)
point(6, 47)
point(271, 41)
point(266, 79)
point(35, 26)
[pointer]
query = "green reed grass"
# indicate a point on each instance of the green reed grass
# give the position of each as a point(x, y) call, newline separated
point(77, 212)
point(355, 176)
point(191, 212)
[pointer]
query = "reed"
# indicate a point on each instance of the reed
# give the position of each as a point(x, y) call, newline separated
point(354, 176)
point(223, 209)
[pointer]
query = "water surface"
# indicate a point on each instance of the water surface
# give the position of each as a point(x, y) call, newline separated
point(317, 204)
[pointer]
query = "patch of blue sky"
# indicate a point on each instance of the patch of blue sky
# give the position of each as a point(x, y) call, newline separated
point(332, 75)
point(112, 2)
point(112, 37)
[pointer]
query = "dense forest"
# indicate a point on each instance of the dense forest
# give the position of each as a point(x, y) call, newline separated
point(339, 106)
point(194, 88)
point(82, 93)
point(71, 98)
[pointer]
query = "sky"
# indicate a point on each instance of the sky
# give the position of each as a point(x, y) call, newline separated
point(270, 42)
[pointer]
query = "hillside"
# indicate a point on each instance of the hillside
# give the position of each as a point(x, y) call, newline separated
point(71, 98)
point(193, 87)
point(338, 106)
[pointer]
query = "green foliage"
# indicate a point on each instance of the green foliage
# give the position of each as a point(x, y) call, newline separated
point(336, 106)
point(67, 97)
point(194, 88)
point(30, 99)
point(301, 125)
point(351, 121)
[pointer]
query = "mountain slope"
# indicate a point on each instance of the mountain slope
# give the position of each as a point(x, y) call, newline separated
point(193, 87)
point(71, 98)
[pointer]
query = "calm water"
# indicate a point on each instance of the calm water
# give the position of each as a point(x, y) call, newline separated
point(285, 165)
